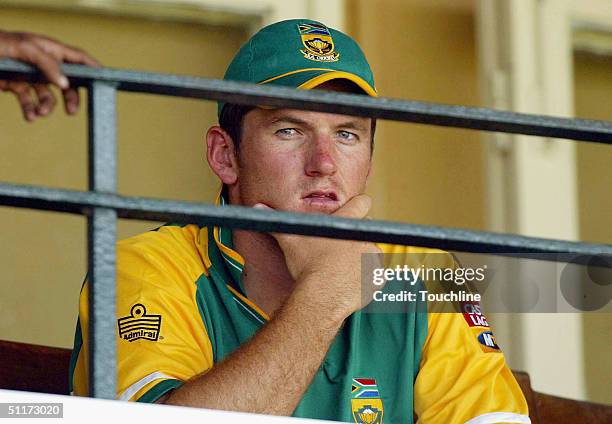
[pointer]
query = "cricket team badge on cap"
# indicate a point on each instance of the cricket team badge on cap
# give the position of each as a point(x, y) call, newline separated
point(366, 403)
point(318, 43)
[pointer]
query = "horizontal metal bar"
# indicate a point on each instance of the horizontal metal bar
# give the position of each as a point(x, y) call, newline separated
point(449, 239)
point(350, 104)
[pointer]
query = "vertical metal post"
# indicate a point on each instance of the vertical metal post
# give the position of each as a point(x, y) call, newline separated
point(101, 232)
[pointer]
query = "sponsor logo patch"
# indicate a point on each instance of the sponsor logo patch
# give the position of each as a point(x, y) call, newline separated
point(139, 325)
point(472, 313)
point(366, 403)
point(487, 342)
point(318, 43)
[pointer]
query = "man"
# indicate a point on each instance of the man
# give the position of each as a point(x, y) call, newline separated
point(47, 55)
point(274, 323)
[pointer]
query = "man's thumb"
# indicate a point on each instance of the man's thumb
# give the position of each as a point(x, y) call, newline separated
point(357, 207)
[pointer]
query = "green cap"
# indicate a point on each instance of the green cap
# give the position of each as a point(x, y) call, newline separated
point(300, 53)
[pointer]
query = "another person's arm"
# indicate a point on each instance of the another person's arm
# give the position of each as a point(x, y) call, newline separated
point(46, 54)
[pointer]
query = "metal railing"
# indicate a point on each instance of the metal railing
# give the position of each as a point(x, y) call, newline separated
point(103, 206)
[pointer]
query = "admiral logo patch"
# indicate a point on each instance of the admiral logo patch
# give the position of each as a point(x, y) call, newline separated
point(473, 314)
point(318, 43)
point(487, 341)
point(366, 403)
point(139, 325)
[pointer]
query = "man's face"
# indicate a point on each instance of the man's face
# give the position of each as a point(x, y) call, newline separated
point(302, 161)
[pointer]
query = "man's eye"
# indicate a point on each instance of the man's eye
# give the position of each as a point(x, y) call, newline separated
point(287, 132)
point(347, 135)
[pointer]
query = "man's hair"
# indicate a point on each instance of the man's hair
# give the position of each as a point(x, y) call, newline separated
point(231, 119)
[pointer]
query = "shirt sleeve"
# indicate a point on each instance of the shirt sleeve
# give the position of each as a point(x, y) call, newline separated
point(161, 337)
point(463, 376)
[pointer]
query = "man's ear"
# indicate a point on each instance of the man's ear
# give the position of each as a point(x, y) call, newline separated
point(221, 155)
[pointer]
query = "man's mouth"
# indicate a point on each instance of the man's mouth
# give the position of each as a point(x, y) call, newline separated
point(323, 201)
point(322, 195)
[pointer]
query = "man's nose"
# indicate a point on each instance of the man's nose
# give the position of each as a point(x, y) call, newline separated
point(321, 159)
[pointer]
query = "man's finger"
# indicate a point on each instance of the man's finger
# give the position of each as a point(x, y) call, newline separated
point(46, 99)
point(71, 100)
point(24, 97)
point(357, 207)
point(280, 237)
point(262, 206)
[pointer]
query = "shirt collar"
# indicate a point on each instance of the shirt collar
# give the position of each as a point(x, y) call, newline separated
point(223, 237)
point(234, 264)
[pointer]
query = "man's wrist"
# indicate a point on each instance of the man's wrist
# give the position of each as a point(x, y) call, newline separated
point(311, 294)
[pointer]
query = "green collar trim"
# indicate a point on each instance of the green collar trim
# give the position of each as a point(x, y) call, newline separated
point(233, 260)
point(230, 264)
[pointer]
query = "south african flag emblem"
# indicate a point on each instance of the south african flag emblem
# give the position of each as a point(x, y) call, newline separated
point(366, 403)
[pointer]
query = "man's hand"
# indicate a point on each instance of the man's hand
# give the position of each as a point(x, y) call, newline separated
point(47, 55)
point(329, 270)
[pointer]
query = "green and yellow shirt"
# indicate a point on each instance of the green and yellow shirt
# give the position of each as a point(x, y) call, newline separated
point(181, 309)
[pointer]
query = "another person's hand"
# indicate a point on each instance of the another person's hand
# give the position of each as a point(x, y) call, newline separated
point(47, 55)
point(329, 270)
